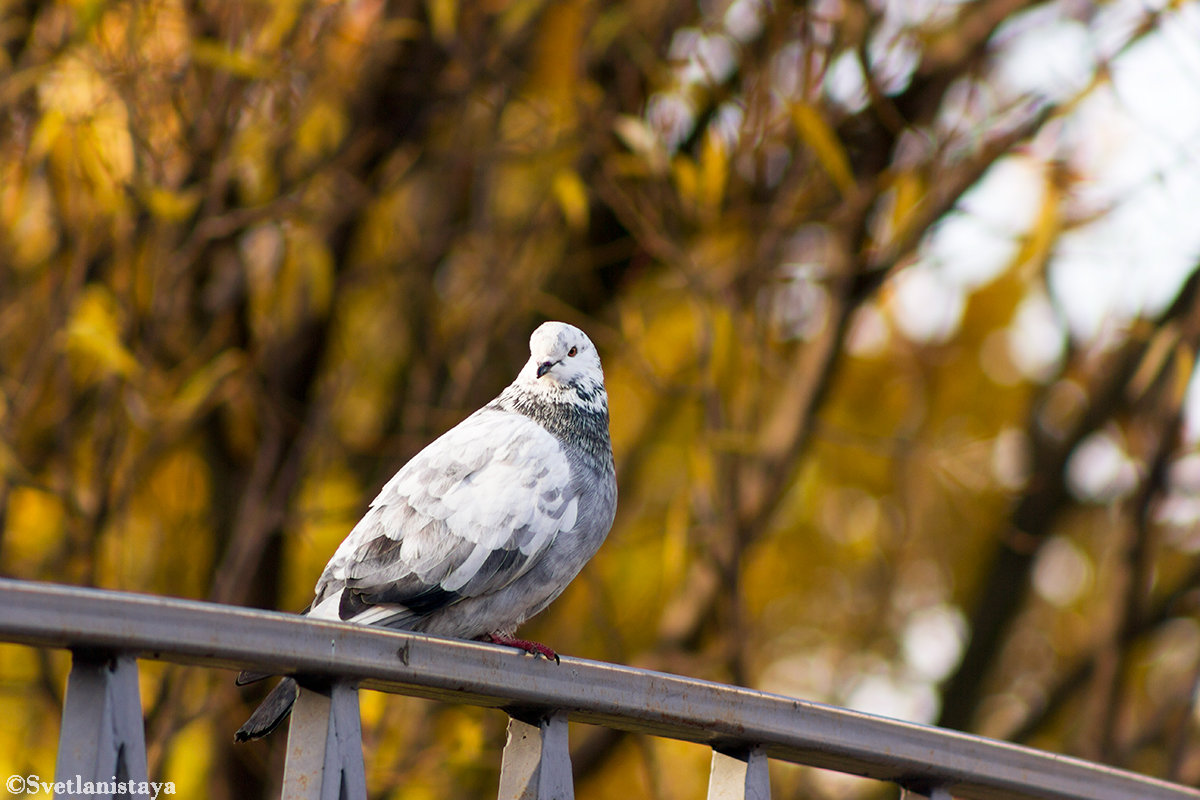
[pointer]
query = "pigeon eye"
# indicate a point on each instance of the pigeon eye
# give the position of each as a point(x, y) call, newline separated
point(573, 351)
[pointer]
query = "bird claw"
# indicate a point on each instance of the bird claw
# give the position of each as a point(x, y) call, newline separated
point(533, 648)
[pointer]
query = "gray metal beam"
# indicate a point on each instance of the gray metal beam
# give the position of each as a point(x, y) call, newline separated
point(932, 793)
point(537, 760)
point(102, 740)
point(739, 775)
point(324, 750)
point(725, 717)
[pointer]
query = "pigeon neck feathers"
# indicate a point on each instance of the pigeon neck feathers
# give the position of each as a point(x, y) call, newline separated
point(561, 387)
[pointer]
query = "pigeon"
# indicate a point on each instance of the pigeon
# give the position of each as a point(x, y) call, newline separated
point(488, 524)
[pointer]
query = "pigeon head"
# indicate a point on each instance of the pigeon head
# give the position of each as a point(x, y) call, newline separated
point(564, 366)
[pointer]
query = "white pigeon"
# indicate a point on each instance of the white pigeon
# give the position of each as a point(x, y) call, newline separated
point(488, 524)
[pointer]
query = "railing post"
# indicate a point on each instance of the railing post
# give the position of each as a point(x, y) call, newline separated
point(537, 761)
point(324, 749)
point(102, 739)
point(739, 775)
point(929, 792)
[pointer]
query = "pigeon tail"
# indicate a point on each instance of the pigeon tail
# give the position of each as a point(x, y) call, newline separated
point(270, 712)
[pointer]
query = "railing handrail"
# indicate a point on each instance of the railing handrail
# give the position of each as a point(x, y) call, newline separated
point(623, 698)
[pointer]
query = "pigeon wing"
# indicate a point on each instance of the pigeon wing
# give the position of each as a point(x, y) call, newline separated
point(465, 517)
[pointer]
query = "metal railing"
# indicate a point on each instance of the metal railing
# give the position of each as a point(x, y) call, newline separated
point(102, 733)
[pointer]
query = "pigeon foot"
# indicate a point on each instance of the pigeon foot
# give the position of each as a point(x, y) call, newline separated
point(533, 648)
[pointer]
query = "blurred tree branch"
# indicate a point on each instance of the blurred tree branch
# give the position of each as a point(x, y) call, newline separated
point(1034, 512)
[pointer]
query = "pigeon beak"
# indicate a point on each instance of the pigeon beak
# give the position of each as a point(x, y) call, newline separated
point(545, 367)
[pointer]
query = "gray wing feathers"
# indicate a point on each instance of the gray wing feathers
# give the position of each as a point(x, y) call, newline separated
point(457, 521)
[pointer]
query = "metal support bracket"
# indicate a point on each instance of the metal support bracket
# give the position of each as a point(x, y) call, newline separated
point(930, 792)
point(324, 749)
point(739, 775)
point(537, 760)
point(102, 740)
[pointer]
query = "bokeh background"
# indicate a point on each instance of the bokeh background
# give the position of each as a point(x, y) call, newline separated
point(897, 300)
